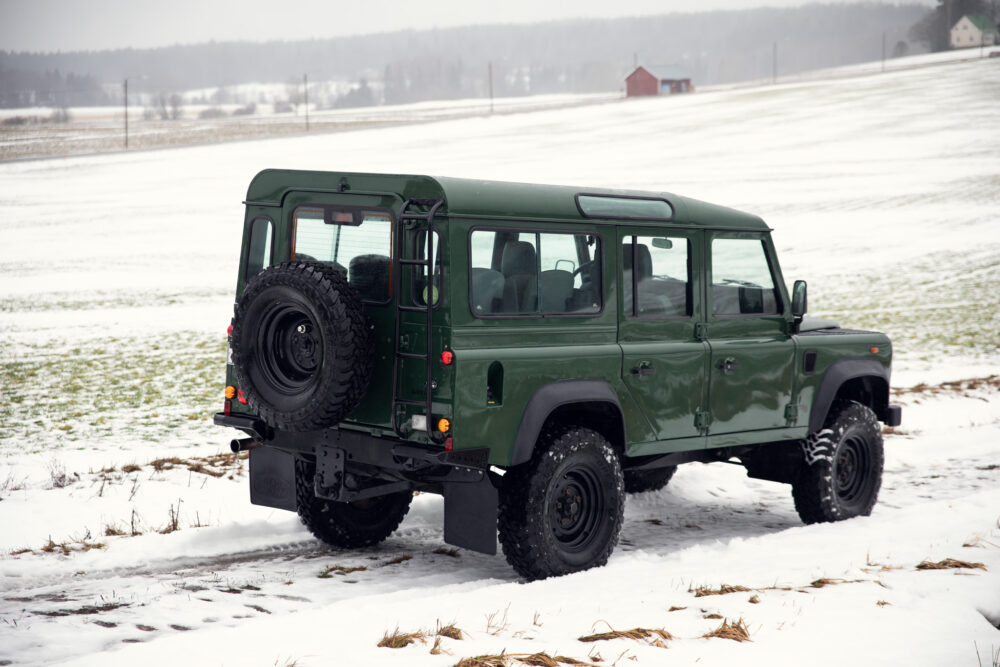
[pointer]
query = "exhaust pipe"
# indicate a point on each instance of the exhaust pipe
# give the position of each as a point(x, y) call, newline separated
point(243, 444)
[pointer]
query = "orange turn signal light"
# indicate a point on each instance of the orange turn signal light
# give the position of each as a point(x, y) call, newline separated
point(444, 425)
point(873, 350)
point(230, 391)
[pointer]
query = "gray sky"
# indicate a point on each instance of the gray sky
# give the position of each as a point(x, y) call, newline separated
point(69, 25)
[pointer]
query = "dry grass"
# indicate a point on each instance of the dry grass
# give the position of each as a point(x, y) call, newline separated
point(451, 631)
point(507, 659)
point(653, 637)
point(675, 608)
point(754, 599)
point(950, 564)
point(328, 572)
point(883, 603)
point(445, 551)
point(724, 589)
point(399, 559)
point(736, 631)
point(397, 639)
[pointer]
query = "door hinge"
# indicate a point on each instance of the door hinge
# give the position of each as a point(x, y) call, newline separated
point(701, 330)
point(791, 413)
point(702, 420)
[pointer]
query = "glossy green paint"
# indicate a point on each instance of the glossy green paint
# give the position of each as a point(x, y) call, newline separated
point(688, 403)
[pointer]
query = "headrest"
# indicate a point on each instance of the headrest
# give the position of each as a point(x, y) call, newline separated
point(645, 260)
point(518, 257)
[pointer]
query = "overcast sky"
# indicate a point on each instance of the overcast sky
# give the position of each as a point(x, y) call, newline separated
point(69, 25)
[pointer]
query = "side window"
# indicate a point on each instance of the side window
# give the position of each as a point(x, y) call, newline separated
point(259, 253)
point(419, 273)
point(534, 273)
point(357, 243)
point(656, 276)
point(742, 283)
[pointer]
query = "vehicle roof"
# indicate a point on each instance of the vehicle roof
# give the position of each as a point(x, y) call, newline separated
point(486, 199)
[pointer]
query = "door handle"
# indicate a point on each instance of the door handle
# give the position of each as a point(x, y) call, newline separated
point(728, 365)
point(644, 368)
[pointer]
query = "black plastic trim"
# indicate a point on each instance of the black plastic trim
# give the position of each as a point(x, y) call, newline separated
point(554, 395)
point(836, 375)
point(893, 415)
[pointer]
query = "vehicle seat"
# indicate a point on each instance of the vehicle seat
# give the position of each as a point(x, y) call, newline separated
point(487, 291)
point(369, 275)
point(520, 277)
point(555, 291)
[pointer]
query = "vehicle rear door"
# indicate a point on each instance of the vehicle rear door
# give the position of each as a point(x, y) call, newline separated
point(664, 363)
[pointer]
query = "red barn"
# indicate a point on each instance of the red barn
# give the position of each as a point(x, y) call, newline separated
point(644, 82)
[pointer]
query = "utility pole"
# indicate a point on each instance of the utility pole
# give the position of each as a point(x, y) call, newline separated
point(305, 85)
point(125, 98)
point(774, 64)
point(490, 67)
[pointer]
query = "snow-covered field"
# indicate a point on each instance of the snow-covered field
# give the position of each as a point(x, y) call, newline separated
point(116, 281)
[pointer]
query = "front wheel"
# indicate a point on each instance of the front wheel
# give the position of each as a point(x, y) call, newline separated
point(347, 525)
point(841, 470)
point(562, 511)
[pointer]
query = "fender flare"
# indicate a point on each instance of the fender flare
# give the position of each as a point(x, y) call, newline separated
point(549, 398)
point(834, 378)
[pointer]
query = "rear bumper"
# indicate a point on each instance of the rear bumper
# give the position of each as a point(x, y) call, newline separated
point(252, 426)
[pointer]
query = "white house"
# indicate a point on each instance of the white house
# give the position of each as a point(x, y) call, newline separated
point(973, 30)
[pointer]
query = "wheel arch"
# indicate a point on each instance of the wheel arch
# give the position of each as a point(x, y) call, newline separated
point(590, 403)
point(863, 380)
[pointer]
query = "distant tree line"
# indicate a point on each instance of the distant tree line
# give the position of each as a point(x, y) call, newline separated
point(49, 88)
point(572, 56)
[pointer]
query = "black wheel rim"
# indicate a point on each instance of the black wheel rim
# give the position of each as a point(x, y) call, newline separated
point(289, 348)
point(576, 506)
point(852, 473)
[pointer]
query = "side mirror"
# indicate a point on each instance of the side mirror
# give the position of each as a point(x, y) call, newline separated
point(799, 299)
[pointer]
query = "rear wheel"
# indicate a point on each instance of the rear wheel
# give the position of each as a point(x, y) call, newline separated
point(638, 481)
point(562, 511)
point(841, 472)
point(347, 525)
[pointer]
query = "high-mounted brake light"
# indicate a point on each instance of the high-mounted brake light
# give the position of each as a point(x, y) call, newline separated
point(240, 397)
point(447, 357)
point(444, 425)
point(230, 391)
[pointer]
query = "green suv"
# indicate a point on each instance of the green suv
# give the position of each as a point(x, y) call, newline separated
point(532, 353)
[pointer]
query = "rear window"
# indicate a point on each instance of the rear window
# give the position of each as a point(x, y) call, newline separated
point(358, 243)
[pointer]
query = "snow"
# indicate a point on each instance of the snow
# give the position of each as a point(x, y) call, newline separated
point(882, 190)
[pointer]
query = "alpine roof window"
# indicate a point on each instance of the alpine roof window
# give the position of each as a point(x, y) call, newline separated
point(624, 207)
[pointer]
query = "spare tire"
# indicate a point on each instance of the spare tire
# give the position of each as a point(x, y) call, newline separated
point(302, 346)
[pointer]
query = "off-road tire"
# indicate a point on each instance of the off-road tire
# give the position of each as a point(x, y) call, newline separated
point(542, 536)
point(841, 470)
point(302, 346)
point(639, 481)
point(347, 525)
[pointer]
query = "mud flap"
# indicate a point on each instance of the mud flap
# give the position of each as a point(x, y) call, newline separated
point(470, 515)
point(272, 478)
